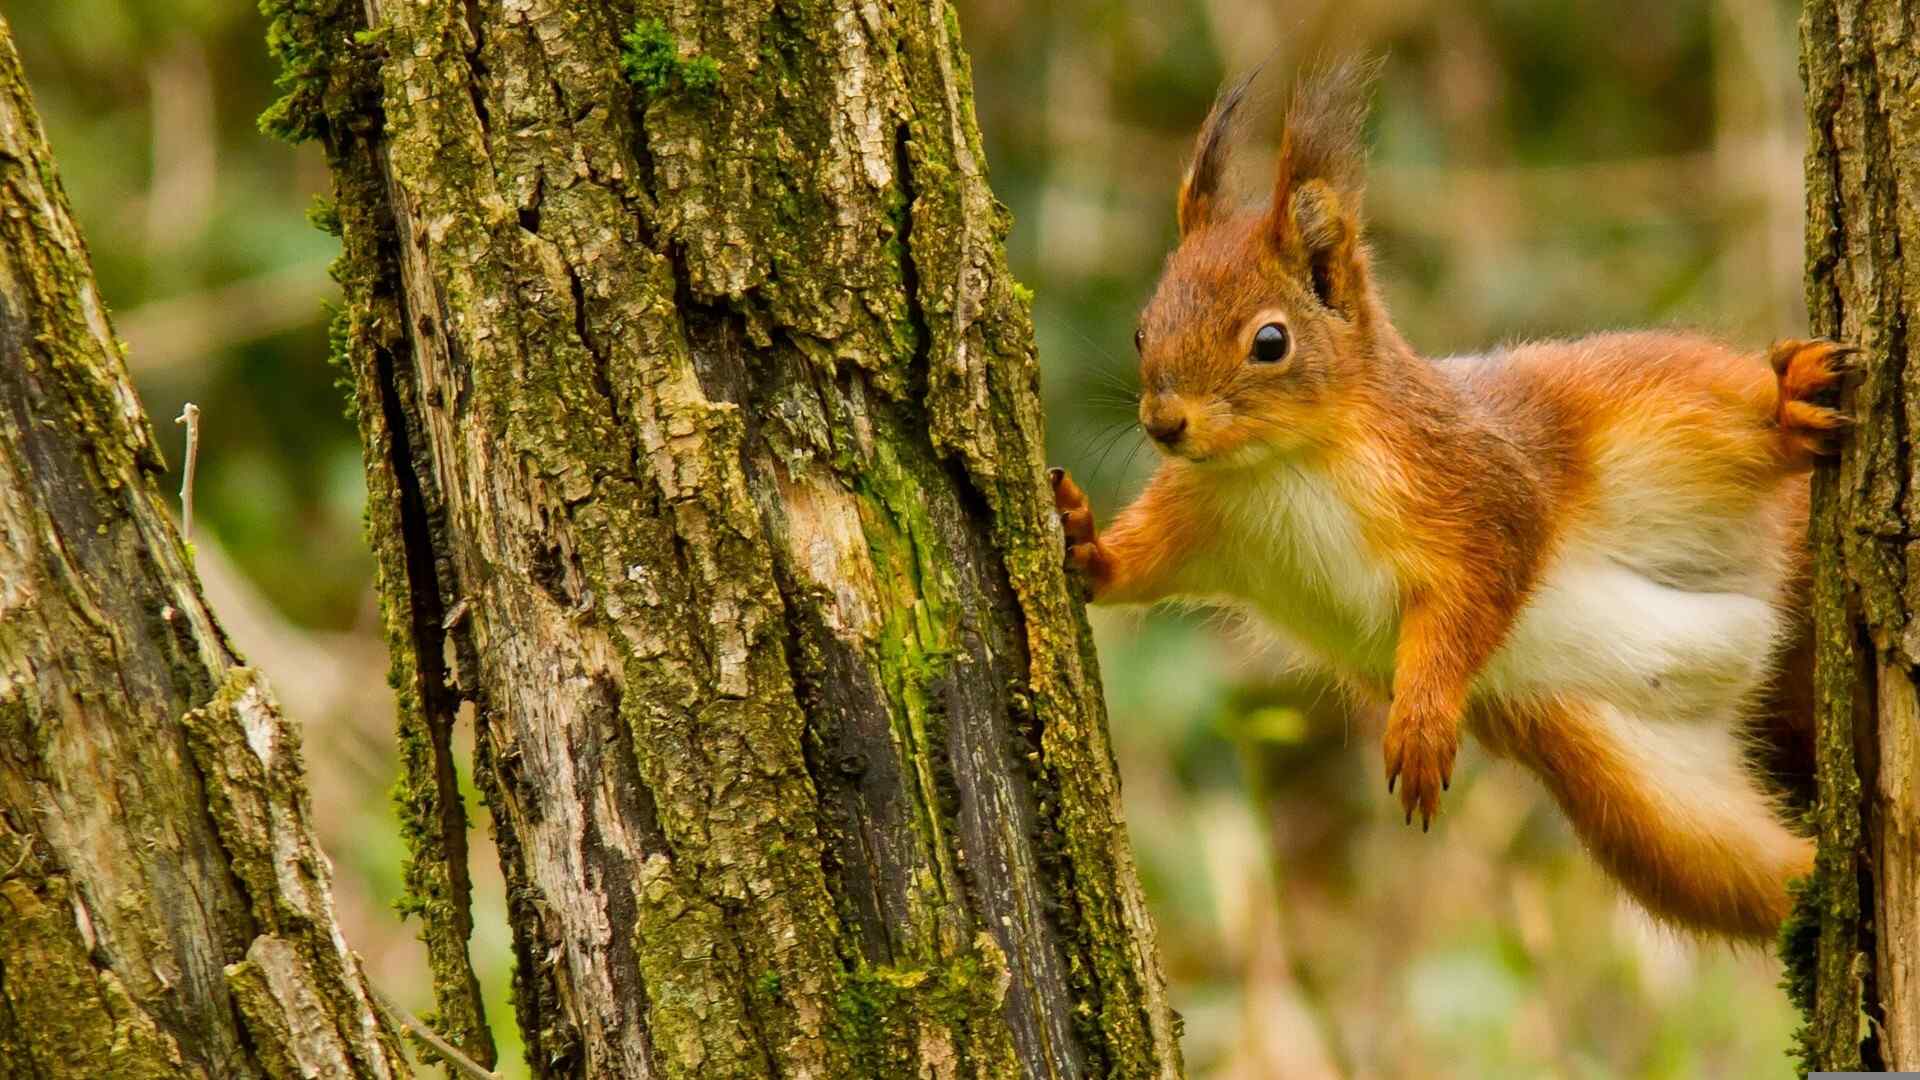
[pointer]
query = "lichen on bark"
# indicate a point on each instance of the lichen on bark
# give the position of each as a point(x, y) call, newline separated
point(717, 401)
point(1853, 947)
point(155, 841)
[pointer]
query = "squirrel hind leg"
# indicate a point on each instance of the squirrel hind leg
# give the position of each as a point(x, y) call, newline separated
point(1808, 373)
point(1672, 813)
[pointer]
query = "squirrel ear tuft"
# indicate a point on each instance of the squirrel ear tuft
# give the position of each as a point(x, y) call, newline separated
point(1315, 216)
point(1326, 132)
point(1200, 188)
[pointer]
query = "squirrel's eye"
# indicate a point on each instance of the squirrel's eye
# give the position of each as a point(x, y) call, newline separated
point(1139, 340)
point(1270, 344)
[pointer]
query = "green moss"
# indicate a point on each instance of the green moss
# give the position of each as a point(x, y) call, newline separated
point(695, 1012)
point(324, 214)
point(652, 62)
point(340, 358)
point(868, 1015)
point(430, 894)
point(874, 1011)
point(74, 1019)
point(309, 39)
point(916, 640)
point(1799, 949)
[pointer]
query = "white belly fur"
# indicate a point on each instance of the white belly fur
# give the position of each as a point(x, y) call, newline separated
point(1593, 627)
point(1598, 629)
point(1293, 549)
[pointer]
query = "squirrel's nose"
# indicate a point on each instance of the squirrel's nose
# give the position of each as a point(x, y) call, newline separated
point(1167, 429)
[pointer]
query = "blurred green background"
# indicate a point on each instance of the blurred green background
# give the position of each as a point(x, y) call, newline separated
point(1539, 169)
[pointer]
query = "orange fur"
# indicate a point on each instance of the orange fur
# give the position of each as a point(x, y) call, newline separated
point(1419, 508)
point(1716, 866)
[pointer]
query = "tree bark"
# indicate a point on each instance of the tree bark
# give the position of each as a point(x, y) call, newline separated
point(705, 464)
point(164, 908)
point(1854, 949)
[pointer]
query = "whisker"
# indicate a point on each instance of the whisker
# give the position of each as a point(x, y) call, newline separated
point(1106, 432)
point(1105, 436)
point(1125, 430)
point(1110, 384)
point(1127, 466)
point(1118, 391)
point(1098, 350)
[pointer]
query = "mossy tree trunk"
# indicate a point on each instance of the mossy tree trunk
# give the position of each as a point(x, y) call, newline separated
point(1856, 962)
point(164, 909)
point(706, 476)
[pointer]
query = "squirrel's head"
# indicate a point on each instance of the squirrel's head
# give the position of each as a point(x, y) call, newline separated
point(1263, 314)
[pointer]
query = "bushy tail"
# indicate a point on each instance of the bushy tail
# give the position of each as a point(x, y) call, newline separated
point(1674, 813)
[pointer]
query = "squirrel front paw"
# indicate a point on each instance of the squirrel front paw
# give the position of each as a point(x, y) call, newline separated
point(1419, 754)
point(1809, 374)
point(1084, 553)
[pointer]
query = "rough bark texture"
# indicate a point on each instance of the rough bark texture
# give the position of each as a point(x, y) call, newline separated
point(706, 468)
point(1854, 948)
point(164, 909)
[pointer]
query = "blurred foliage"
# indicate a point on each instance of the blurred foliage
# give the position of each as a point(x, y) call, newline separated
point(152, 111)
point(1539, 169)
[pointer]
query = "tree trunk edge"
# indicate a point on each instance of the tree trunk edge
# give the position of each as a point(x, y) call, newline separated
point(1853, 946)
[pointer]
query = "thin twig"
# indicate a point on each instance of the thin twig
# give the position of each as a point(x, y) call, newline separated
point(190, 416)
point(411, 1025)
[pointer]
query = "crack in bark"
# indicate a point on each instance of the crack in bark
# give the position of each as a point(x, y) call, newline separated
point(476, 65)
point(920, 366)
point(438, 704)
point(612, 869)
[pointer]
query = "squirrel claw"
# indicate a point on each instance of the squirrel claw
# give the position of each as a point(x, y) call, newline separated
point(1814, 357)
point(1076, 516)
point(1809, 374)
point(1419, 759)
point(1083, 549)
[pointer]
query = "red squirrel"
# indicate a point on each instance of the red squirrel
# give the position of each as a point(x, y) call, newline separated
point(1589, 554)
